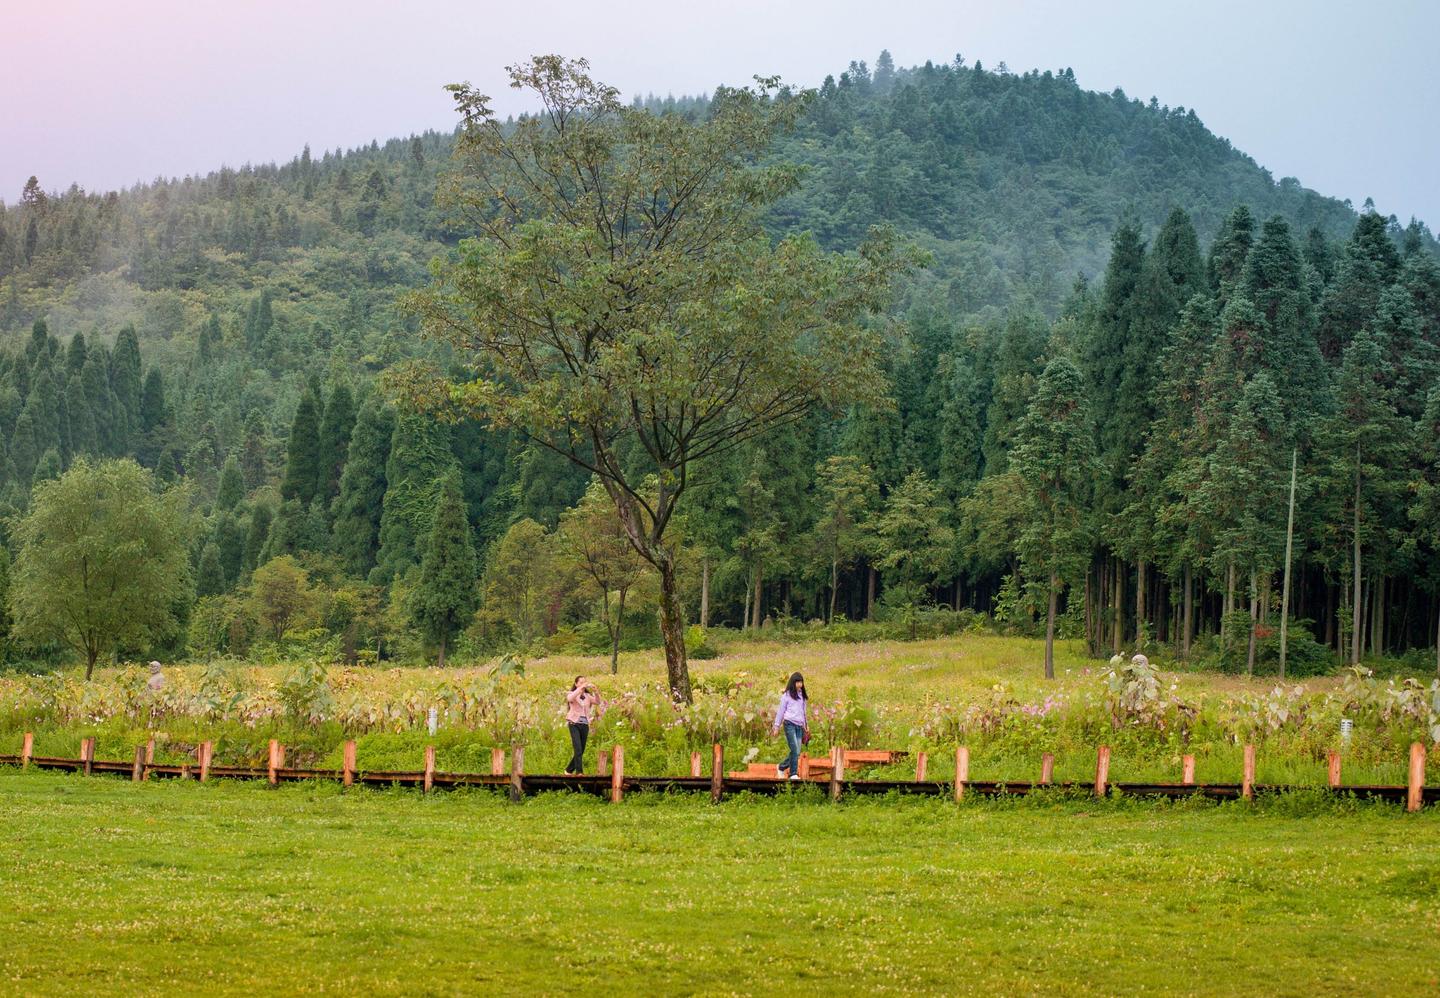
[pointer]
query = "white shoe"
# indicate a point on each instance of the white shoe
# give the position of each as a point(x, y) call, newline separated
point(779, 772)
point(795, 776)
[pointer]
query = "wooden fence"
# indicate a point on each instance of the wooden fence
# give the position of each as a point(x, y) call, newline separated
point(613, 783)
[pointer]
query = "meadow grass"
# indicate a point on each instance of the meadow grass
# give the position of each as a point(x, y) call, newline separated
point(235, 888)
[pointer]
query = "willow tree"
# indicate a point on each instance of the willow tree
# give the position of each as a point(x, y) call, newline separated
point(618, 293)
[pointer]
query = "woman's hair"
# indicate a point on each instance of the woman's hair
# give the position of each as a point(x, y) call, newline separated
point(795, 680)
point(575, 684)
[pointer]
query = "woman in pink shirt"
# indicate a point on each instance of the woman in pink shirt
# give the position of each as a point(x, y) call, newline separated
point(792, 715)
point(578, 705)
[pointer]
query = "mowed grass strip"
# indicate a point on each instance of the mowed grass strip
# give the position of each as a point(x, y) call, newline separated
point(114, 888)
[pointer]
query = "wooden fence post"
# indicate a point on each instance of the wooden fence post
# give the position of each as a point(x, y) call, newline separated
point(149, 757)
point(497, 762)
point(617, 775)
point(517, 773)
point(137, 770)
point(803, 766)
point(27, 749)
point(87, 754)
point(837, 771)
point(1416, 796)
point(1187, 770)
point(717, 773)
point(1332, 766)
point(962, 770)
point(347, 765)
point(207, 751)
point(920, 764)
point(273, 763)
point(1047, 769)
point(429, 768)
point(602, 761)
point(1247, 782)
point(1102, 770)
point(694, 765)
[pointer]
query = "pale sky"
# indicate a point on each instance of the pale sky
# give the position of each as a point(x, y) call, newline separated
point(1343, 96)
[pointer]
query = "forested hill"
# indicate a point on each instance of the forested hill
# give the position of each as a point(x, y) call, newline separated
point(1014, 181)
point(225, 330)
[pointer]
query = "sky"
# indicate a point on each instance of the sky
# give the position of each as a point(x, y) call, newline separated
point(105, 93)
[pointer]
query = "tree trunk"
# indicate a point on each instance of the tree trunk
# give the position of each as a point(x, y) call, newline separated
point(705, 592)
point(870, 595)
point(1142, 626)
point(759, 587)
point(1377, 616)
point(1187, 625)
point(1089, 611)
point(1254, 618)
point(1050, 628)
point(1119, 607)
point(1229, 605)
point(834, 587)
point(615, 635)
point(672, 630)
point(1355, 635)
point(90, 656)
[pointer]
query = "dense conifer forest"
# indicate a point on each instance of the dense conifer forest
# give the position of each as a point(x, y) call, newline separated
point(1127, 333)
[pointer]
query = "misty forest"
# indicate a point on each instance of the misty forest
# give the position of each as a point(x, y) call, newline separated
point(1091, 342)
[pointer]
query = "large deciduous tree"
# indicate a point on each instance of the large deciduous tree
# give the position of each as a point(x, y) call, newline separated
point(620, 291)
point(101, 559)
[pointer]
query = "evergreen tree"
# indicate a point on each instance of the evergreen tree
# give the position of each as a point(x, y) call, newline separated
point(419, 457)
point(257, 534)
point(209, 577)
point(303, 466)
point(1054, 462)
point(359, 505)
point(1229, 251)
point(229, 542)
point(446, 596)
point(1365, 442)
point(231, 490)
point(335, 430)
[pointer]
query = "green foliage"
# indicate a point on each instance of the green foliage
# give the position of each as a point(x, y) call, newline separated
point(101, 559)
point(447, 593)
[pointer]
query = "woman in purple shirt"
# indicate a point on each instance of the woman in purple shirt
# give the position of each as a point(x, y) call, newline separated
point(792, 716)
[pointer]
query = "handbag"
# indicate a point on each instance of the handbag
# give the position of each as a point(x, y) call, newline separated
point(805, 738)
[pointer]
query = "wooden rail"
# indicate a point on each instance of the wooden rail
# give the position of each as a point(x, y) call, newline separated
point(612, 782)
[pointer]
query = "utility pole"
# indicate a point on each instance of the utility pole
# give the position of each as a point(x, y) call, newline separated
point(1289, 539)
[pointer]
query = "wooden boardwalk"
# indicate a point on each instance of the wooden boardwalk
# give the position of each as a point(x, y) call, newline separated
point(613, 783)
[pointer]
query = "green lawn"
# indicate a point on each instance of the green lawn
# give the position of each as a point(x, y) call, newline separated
point(110, 887)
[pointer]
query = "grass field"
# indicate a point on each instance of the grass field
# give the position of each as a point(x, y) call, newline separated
point(110, 887)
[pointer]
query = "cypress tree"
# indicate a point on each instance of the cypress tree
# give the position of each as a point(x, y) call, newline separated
point(231, 489)
point(256, 535)
point(75, 356)
point(1274, 282)
point(253, 461)
point(125, 383)
point(302, 456)
point(152, 401)
point(335, 430)
point(1054, 462)
point(361, 498)
point(1364, 443)
point(419, 456)
point(1228, 252)
point(230, 545)
point(446, 596)
point(209, 577)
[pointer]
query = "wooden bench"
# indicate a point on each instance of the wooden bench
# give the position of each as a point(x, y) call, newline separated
point(817, 768)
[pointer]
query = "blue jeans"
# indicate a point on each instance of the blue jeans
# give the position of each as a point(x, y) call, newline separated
point(794, 738)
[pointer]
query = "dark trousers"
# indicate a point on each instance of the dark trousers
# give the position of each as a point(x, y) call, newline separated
point(579, 732)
